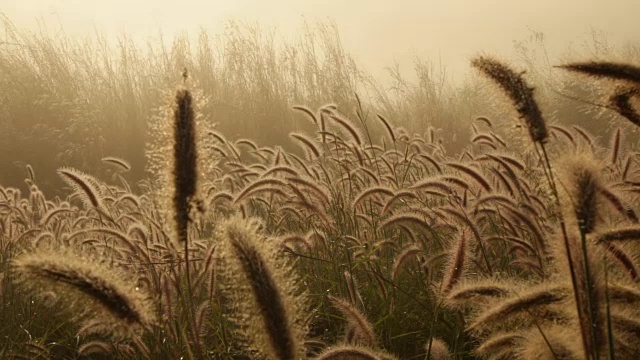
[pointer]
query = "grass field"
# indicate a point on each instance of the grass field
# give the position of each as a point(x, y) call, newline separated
point(230, 198)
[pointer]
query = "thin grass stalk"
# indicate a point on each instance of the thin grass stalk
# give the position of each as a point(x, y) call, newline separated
point(607, 299)
point(522, 96)
point(565, 237)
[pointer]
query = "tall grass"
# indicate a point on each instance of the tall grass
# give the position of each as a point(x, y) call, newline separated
point(84, 99)
point(351, 238)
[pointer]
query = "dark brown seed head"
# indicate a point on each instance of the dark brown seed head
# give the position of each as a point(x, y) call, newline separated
point(185, 156)
point(620, 102)
point(583, 186)
point(605, 69)
point(515, 87)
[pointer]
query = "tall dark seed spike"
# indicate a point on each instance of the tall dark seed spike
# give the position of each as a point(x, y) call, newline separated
point(185, 157)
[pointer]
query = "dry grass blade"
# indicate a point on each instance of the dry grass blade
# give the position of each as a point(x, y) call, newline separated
point(615, 147)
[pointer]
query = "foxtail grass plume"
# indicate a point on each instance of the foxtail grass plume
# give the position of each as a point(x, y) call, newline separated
point(549, 342)
point(437, 349)
point(582, 182)
point(90, 289)
point(268, 307)
point(606, 70)
point(523, 303)
point(85, 186)
point(620, 102)
point(456, 264)
point(515, 87)
point(122, 164)
point(350, 352)
point(583, 187)
point(185, 161)
point(359, 330)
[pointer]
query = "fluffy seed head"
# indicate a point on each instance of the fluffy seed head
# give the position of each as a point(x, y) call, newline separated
point(515, 87)
point(438, 349)
point(84, 184)
point(185, 160)
point(268, 307)
point(582, 183)
point(89, 288)
point(359, 331)
point(606, 69)
point(620, 102)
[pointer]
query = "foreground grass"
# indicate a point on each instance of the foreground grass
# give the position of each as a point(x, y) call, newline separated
point(350, 247)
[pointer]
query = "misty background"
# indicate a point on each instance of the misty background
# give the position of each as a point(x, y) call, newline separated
point(378, 33)
point(85, 80)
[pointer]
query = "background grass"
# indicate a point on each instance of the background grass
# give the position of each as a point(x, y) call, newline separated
point(70, 101)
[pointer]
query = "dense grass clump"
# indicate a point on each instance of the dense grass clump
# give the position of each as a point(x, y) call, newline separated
point(348, 238)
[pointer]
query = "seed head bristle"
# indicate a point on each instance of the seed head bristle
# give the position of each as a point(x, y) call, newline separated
point(349, 352)
point(90, 288)
point(514, 85)
point(267, 306)
point(456, 264)
point(117, 161)
point(522, 303)
point(358, 324)
point(437, 349)
point(185, 162)
point(605, 69)
point(82, 183)
point(583, 187)
point(620, 102)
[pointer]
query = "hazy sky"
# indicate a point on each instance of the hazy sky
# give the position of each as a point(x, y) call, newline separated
point(377, 32)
